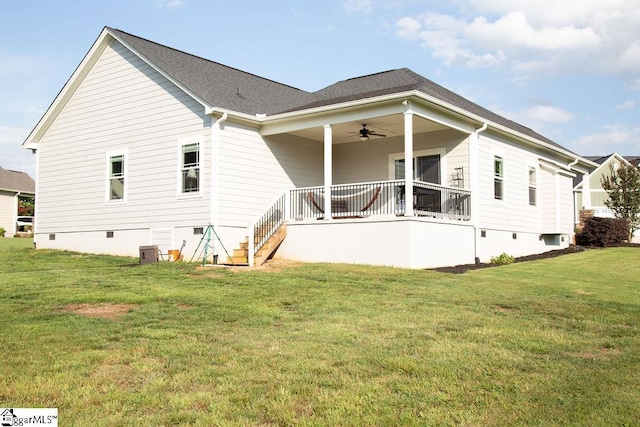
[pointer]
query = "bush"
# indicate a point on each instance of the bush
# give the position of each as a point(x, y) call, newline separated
point(2, 231)
point(502, 259)
point(603, 232)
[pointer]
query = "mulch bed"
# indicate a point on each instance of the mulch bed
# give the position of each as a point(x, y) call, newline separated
point(459, 269)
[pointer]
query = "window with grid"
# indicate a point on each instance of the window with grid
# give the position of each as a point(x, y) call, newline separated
point(532, 186)
point(498, 178)
point(116, 177)
point(190, 168)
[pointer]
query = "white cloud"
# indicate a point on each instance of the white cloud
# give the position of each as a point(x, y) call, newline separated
point(532, 36)
point(619, 138)
point(629, 105)
point(548, 114)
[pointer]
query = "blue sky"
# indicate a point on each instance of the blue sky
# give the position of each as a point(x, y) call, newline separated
point(570, 69)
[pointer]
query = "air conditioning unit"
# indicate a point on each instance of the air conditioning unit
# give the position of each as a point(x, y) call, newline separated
point(148, 254)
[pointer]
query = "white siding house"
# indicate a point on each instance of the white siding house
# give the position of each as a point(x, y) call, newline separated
point(147, 145)
point(13, 186)
point(590, 197)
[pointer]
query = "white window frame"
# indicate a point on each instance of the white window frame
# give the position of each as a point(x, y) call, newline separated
point(421, 153)
point(183, 142)
point(498, 178)
point(109, 178)
point(532, 185)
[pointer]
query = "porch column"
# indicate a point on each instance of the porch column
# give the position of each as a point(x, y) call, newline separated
point(328, 170)
point(408, 159)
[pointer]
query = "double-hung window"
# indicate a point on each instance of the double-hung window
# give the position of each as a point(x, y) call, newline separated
point(498, 178)
point(532, 186)
point(190, 168)
point(116, 182)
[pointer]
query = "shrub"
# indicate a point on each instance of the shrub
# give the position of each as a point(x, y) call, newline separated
point(603, 232)
point(2, 231)
point(502, 259)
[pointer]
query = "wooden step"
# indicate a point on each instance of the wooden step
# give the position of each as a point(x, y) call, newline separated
point(271, 245)
point(241, 252)
point(240, 255)
point(237, 260)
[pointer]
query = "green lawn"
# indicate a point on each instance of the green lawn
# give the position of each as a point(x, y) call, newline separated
point(553, 342)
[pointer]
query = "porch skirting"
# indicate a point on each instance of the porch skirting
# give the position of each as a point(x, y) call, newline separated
point(410, 242)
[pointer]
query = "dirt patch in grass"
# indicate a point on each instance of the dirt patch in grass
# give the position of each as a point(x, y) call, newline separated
point(103, 311)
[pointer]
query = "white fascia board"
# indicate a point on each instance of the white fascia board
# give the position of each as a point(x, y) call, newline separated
point(356, 111)
point(556, 167)
point(235, 116)
point(20, 192)
point(332, 116)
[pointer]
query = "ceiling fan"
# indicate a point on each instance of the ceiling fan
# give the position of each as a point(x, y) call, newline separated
point(365, 133)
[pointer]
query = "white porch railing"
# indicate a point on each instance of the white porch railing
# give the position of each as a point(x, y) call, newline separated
point(381, 198)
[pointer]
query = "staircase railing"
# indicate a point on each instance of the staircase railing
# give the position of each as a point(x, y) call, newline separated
point(266, 226)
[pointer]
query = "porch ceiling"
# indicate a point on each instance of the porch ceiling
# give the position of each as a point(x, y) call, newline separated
point(391, 126)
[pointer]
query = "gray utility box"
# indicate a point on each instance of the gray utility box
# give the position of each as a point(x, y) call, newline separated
point(148, 254)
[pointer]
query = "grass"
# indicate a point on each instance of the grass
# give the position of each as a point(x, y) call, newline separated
point(552, 342)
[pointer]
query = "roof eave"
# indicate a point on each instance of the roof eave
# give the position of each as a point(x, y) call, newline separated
point(434, 101)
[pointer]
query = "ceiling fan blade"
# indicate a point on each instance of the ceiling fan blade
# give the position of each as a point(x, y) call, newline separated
point(377, 134)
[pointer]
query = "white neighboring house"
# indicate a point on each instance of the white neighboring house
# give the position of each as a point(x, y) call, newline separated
point(590, 197)
point(13, 186)
point(147, 145)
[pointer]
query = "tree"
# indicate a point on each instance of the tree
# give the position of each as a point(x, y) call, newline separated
point(623, 187)
point(25, 206)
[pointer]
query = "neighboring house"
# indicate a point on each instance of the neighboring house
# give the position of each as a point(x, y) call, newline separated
point(589, 196)
point(13, 186)
point(147, 145)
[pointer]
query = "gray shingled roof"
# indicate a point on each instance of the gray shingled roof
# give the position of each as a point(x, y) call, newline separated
point(232, 89)
point(217, 84)
point(403, 79)
point(16, 181)
point(601, 159)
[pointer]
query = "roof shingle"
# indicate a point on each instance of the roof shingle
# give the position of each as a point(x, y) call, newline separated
point(16, 181)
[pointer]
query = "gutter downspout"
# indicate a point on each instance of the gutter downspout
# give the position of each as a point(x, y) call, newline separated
point(215, 172)
point(474, 185)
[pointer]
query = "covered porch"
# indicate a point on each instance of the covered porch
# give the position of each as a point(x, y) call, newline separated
point(374, 156)
point(413, 179)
